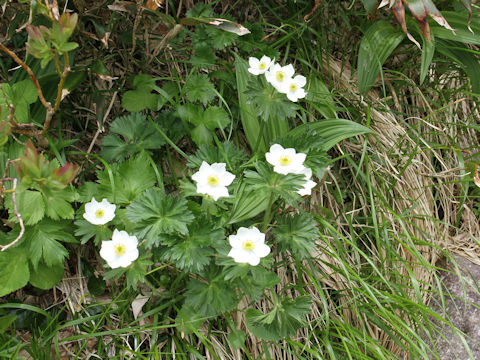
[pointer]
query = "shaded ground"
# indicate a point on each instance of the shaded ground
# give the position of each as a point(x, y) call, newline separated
point(463, 310)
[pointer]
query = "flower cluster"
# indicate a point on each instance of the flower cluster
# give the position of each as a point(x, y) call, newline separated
point(288, 161)
point(122, 250)
point(280, 77)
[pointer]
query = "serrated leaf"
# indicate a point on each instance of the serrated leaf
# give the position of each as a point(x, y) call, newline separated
point(155, 213)
point(296, 234)
point(45, 277)
point(213, 154)
point(211, 298)
point(57, 204)
point(199, 88)
point(284, 320)
point(44, 242)
point(30, 205)
point(376, 45)
point(138, 100)
point(86, 231)
point(131, 178)
point(221, 38)
point(14, 272)
point(130, 135)
point(215, 118)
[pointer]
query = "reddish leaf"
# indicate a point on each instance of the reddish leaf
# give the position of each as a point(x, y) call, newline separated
point(399, 13)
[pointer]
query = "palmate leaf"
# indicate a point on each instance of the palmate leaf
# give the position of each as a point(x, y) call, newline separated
point(14, 272)
point(210, 298)
point(284, 319)
point(296, 234)
point(130, 135)
point(199, 88)
point(43, 241)
point(155, 213)
point(130, 179)
point(213, 154)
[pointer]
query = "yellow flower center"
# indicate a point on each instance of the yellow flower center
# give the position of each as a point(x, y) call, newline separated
point(293, 87)
point(119, 249)
point(262, 66)
point(213, 180)
point(280, 76)
point(285, 160)
point(99, 213)
point(248, 245)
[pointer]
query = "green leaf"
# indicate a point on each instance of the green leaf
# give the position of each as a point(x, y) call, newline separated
point(331, 131)
point(248, 114)
point(86, 231)
point(199, 88)
point(210, 298)
point(248, 204)
point(320, 98)
point(227, 153)
point(131, 178)
point(46, 277)
point(138, 100)
point(427, 56)
point(371, 6)
point(220, 38)
point(376, 45)
point(14, 273)
point(130, 135)
point(201, 135)
point(5, 322)
point(296, 234)
point(236, 339)
point(57, 204)
point(66, 47)
point(155, 213)
point(30, 206)
point(215, 118)
point(284, 319)
point(43, 241)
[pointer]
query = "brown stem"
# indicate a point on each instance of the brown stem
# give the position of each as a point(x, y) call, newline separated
point(17, 214)
point(45, 103)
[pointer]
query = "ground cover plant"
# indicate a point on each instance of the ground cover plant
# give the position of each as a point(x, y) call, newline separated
point(234, 179)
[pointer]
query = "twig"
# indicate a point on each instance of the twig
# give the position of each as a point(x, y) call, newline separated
point(306, 17)
point(45, 103)
point(15, 209)
point(171, 34)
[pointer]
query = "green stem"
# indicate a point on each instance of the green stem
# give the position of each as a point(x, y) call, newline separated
point(260, 136)
point(167, 139)
point(266, 218)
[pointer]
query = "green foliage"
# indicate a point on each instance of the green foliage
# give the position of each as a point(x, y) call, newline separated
point(14, 273)
point(377, 44)
point(45, 277)
point(21, 94)
point(296, 234)
point(282, 321)
point(155, 214)
point(142, 96)
point(130, 135)
point(199, 88)
point(86, 231)
point(227, 153)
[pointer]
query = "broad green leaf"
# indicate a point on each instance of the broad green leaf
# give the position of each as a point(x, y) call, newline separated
point(14, 273)
point(130, 135)
point(155, 213)
point(30, 206)
point(211, 298)
point(321, 99)
point(376, 45)
point(131, 178)
point(371, 6)
point(5, 322)
point(248, 115)
point(57, 204)
point(199, 88)
point(215, 117)
point(43, 241)
point(296, 234)
point(248, 204)
point(284, 319)
point(45, 277)
point(331, 131)
point(201, 135)
point(138, 100)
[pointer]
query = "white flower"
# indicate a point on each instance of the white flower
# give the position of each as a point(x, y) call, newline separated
point(99, 213)
point(248, 246)
point(279, 76)
point(285, 161)
point(294, 88)
point(309, 185)
point(258, 67)
point(121, 251)
point(213, 180)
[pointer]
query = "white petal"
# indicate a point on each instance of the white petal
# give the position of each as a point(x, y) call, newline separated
point(300, 80)
point(307, 188)
point(253, 260)
point(292, 96)
point(271, 158)
point(203, 188)
point(239, 255)
point(243, 233)
point(261, 250)
point(265, 59)
point(218, 192)
point(218, 167)
point(107, 251)
point(300, 158)
point(284, 170)
point(227, 178)
point(253, 62)
point(254, 71)
point(289, 70)
point(204, 167)
point(235, 241)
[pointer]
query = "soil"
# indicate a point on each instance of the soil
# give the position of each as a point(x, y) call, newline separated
point(462, 304)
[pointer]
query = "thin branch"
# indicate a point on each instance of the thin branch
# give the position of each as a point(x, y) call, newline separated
point(15, 210)
point(19, 61)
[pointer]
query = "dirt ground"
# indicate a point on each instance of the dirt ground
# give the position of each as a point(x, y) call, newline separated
point(462, 303)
